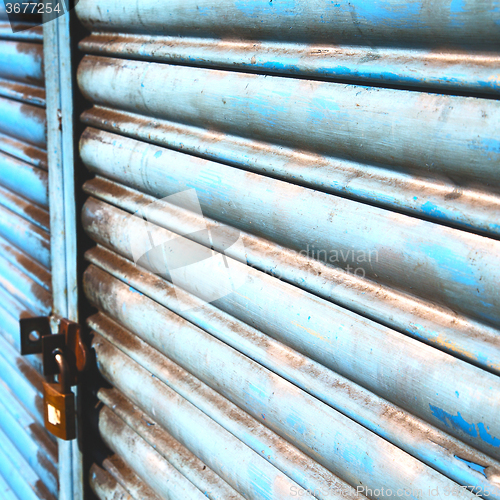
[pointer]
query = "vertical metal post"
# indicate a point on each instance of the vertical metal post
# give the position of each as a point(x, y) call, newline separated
point(60, 149)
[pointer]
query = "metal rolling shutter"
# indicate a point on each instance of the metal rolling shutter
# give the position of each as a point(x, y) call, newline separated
point(345, 158)
point(28, 454)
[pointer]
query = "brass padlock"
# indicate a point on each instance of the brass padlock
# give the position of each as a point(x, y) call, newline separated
point(59, 402)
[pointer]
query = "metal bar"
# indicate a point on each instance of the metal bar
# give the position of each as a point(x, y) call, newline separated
point(449, 70)
point(26, 236)
point(307, 473)
point(395, 23)
point(419, 439)
point(29, 211)
point(31, 33)
point(58, 73)
point(169, 448)
point(26, 264)
point(6, 491)
point(442, 328)
point(144, 459)
point(24, 289)
point(22, 379)
point(416, 256)
point(105, 486)
point(18, 473)
point(329, 119)
point(245, 470)
point(23, 151)
point(22, 62)
point(128, 478)
point(316, 429)
point(22, 92)
point(10, 331)
point(23, 121)
point(30, 446)
point(24, 179)
point(335, 337)
point(411, 193)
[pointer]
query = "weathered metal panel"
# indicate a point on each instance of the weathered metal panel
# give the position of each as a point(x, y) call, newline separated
point(318, 430)
point(244, 469)
point(169, 448)
point(423, 441)
point(468, 23)
point(382, 370)
point(431, 69)
point(424, 320)
point(28, 456)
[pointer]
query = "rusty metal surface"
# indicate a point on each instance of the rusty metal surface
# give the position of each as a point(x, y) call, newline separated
point(24, 122)
point(28, 456)
point(105, 486)
point(24, 179)
point(406, 192)
point(281, 454)
point(144, 459)
point(20, 206)
point(419, 257)
point(430, 69)
point(323, 433)
point(444, 329)
point(376, 126)
point(345, 342)
point(305, 128)
point(196, 431)
point(29, 238)
point(471, 23)
point(22, 62)
point(169, 448)
point(413, 435)
point(23, 151)
point(27, 32)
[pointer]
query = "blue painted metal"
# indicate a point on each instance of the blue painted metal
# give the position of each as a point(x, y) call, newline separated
point(26, 236)
point(424, 259)
point(22, 178)
point(22, 379)
point(32, 213)
point(23, 151)
point(312, 426)
point(18, 473)
point(6, 491)
point(155, 471)
point(405, 192)
point(425, 442)
point(191, 467)
point(59, 88)
point(462, 23)
point(340, 340)
point(440, 327)
point(28, 438)
point(464, 71)
point(243, 469)
point(30, 268)
point(23, 121)
point(22, 62)
point(24, 289)
point(117, 478)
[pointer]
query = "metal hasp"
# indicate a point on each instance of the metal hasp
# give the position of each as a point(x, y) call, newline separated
point(63, 354)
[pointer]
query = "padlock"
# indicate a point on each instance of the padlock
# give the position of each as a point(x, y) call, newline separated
point(59, 402)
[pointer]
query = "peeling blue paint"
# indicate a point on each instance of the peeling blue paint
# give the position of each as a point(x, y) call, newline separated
point(473, 466)
point(459, 423)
